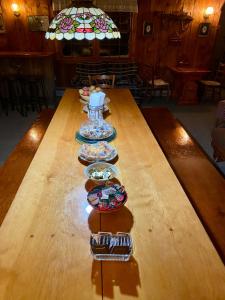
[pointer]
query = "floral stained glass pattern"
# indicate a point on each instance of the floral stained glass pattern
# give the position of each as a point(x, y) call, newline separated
point(82, 23)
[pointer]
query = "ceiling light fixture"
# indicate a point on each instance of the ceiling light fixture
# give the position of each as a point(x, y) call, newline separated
point(81, 23)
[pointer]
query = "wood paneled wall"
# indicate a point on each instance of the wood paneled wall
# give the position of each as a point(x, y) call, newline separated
point(157, 49)
point(18, 37)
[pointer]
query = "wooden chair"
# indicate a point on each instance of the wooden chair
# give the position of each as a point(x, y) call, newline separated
point(211, 88)
point(159, 83)
point(103, 81)
point(156, 85)
point(82, 70)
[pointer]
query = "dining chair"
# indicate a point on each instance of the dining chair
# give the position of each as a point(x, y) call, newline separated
point(155, 83)
point(159, 83)
point(211, 88)
point(82, 70)
point(103, 81)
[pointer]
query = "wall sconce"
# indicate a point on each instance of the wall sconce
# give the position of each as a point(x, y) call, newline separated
point(15, 9)
point(208, 12)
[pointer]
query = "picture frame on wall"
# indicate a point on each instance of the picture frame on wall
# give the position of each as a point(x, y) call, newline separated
point(38, 23)
point(147, 28)
point(203, 29)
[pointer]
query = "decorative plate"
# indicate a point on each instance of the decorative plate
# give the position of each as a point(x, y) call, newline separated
point(95, 130)
point(100, 151)
point(82, 139)
point(107, 198)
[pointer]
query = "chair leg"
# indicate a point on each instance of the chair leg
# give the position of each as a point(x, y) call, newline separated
point(4, 106)
point(220, 94)
point(214, 94)
point(43, 94)
point(200, 92)
point(167, 94)
point(146, 93)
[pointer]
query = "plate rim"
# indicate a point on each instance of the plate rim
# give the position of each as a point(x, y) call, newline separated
point(93, 161)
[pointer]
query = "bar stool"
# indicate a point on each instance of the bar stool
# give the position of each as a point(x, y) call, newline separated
point(16, 94)
point(34, 92)
point(4, 95)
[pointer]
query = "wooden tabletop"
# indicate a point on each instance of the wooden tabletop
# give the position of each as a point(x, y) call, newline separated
point(44, 238)
point(188, 70)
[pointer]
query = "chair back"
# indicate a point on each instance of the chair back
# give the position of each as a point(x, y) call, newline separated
point(103, 81)
point(147, 73)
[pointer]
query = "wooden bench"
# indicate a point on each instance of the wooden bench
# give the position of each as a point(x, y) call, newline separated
point(201, 180)
point(16, 165)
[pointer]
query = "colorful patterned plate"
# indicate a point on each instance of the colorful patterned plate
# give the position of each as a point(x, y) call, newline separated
point(107, 198)
point(100, 151)
point(82, 139)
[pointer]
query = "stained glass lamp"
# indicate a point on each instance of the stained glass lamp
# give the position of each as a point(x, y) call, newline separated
point(82, 23)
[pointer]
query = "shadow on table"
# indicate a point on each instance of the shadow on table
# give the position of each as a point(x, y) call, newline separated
point(106, 114)
point(118, 221)
point(122, 275)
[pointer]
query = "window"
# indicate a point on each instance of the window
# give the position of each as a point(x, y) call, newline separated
point(106, 47)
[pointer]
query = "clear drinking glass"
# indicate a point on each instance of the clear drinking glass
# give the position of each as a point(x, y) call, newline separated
point(95, 113)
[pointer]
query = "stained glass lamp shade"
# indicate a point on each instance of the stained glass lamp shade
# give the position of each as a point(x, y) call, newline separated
point(82, 23)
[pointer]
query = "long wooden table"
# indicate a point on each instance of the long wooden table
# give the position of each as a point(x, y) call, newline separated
point(44, 238)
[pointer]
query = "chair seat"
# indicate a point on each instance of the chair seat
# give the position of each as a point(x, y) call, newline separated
point(210, 82)
point(159, 82)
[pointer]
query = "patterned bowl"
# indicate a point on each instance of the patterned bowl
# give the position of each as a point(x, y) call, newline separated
point(107, 198)
point(101, 171)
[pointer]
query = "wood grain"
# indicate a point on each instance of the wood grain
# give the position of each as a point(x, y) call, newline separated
point(173, 255)
point(44, 239)
point(157, 48)
point(18, 36)
point(206, 189)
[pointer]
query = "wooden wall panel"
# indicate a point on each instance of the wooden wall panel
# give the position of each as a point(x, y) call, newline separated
point(154, 49)
point(18, 37)
point(157, 49)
